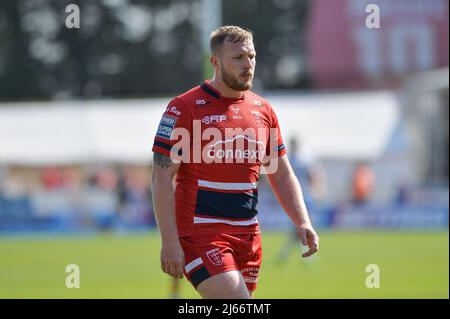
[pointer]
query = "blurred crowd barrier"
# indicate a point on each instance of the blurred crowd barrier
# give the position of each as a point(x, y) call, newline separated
point(75, 198)
point(79, 199)
point(421, 209)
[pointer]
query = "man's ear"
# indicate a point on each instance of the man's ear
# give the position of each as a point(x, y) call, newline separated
point(214, 61)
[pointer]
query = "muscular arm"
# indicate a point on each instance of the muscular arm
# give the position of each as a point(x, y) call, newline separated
point(172, 258)
point(289, 193)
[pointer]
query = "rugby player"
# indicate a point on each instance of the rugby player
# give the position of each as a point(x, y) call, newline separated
point(208, 223)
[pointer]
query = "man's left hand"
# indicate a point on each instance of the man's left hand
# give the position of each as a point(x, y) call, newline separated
point(308, 237)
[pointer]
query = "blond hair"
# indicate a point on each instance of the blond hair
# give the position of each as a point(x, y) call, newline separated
point(229, 33)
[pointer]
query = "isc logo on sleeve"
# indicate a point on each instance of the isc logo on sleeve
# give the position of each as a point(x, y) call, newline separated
point(166, 126)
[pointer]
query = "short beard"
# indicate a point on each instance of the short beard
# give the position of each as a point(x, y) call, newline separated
point(234, 83)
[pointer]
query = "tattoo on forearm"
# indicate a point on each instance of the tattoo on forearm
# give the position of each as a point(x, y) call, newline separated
point(162, 160)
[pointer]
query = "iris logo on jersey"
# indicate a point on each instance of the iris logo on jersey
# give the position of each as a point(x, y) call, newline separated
point(214, 256)
point(166, 126)
point(209, 119)
point(201, 102)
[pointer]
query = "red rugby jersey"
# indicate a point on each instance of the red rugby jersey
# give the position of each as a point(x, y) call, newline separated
point(218, 196)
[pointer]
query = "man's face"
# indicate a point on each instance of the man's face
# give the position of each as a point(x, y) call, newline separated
point(237, 64)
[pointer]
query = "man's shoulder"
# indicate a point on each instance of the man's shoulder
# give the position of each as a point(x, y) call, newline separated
point(193, 97)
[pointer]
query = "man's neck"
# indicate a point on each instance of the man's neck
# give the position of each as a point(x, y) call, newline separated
point(224, 90)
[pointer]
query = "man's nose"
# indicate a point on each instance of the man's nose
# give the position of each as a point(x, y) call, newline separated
point(247, 64)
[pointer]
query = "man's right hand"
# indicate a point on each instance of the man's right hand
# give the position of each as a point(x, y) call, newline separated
point(172, 258)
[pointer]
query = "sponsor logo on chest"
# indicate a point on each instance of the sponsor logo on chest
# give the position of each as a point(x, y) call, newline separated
point(210, 119)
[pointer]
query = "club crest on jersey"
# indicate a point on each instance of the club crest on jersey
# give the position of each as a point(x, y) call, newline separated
point(166, 126)
point(214, 256)
point(257, 116)
point(209, 119)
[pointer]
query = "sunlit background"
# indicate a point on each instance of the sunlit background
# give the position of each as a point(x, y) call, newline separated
point(363, 112)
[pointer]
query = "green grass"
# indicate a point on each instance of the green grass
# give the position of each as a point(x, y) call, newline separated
point(412, 265)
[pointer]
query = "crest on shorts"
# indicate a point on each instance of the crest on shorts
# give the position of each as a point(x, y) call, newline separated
point(214, 256)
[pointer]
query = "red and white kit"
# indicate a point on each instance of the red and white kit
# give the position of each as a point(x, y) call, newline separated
point(216, 202)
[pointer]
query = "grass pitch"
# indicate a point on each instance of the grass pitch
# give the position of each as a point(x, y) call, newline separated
point(412, 265)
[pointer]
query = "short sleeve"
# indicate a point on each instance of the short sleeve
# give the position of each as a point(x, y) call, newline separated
point(176, 115)
point(275, 125)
